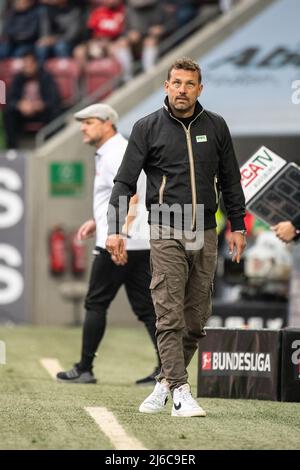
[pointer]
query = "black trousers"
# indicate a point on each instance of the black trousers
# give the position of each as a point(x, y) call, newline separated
point(14, 121)
point(105, 281)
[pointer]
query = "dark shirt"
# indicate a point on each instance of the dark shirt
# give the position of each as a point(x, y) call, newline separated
point(23, 27)
point(47, 89)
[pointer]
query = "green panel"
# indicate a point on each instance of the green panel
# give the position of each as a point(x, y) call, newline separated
point(66, 178)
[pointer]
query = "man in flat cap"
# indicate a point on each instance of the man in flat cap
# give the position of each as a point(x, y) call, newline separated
point(98, 127)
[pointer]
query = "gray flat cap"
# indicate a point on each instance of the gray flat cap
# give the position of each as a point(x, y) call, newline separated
point(99, 111)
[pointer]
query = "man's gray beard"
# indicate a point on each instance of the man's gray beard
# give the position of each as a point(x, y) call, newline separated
point(183, 110)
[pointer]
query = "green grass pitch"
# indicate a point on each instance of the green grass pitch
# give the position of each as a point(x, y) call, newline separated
point(38, 413)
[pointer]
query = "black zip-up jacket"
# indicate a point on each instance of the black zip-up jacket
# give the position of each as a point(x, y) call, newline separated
point(183, 166)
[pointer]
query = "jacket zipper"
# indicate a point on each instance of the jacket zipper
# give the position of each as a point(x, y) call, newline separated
point(192, 166)
point(216, 190)
point(192, 175)
point(162, 189)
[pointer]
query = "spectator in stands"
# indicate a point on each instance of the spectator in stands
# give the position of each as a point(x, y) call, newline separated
point(105, 27)
point(60, 29)
point(145, 27)
point(182, 11)
point(185, 11)
point(21, 29)
point(4, 7)
point(288, 231)
point(33, 97)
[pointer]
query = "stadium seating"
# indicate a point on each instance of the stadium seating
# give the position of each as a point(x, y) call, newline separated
point(98, 73)
point(8, 69)
point(66, 74)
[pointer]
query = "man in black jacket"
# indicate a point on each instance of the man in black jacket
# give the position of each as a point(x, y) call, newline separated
point(187, 154)
point(33, 97)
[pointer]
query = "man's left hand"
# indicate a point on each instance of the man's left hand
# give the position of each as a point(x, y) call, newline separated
point(237, 243)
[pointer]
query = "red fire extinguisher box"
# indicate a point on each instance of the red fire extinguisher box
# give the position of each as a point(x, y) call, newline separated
point(78, 255)
point(57, 251)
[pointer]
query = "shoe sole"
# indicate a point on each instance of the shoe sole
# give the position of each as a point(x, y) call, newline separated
point(195, 414)
point(149, 411)
point(76, 381)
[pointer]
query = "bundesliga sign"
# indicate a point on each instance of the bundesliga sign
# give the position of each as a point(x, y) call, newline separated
point(239, 363)
point(236, 363)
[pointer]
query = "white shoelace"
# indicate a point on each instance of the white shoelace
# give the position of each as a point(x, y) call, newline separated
point(188, 398)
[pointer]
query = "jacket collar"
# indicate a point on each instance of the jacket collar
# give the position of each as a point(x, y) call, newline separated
point(167, 109)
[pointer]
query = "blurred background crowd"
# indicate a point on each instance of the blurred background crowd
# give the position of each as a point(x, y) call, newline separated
point(54, 52)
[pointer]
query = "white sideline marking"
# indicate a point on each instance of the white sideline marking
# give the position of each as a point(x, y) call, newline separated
point(113, 430)
point(104, 418)
point(52, 366)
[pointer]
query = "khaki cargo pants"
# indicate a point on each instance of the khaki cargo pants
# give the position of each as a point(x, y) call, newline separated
point(181, 288)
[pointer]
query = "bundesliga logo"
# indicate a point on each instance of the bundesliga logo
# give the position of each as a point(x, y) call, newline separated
point(206, 361)
point(226, 362)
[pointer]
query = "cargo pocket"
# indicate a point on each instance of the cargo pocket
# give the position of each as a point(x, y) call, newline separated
point(156, 280)
point(167, 294)
point(158, 288)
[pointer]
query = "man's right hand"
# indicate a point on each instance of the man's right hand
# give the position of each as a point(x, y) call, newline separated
point(86, 230)
point(115, 245)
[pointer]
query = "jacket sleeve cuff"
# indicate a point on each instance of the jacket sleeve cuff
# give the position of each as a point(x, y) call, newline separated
point(237, 223)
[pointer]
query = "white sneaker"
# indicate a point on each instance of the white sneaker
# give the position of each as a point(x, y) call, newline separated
point(156, 401)
point(184, 404)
